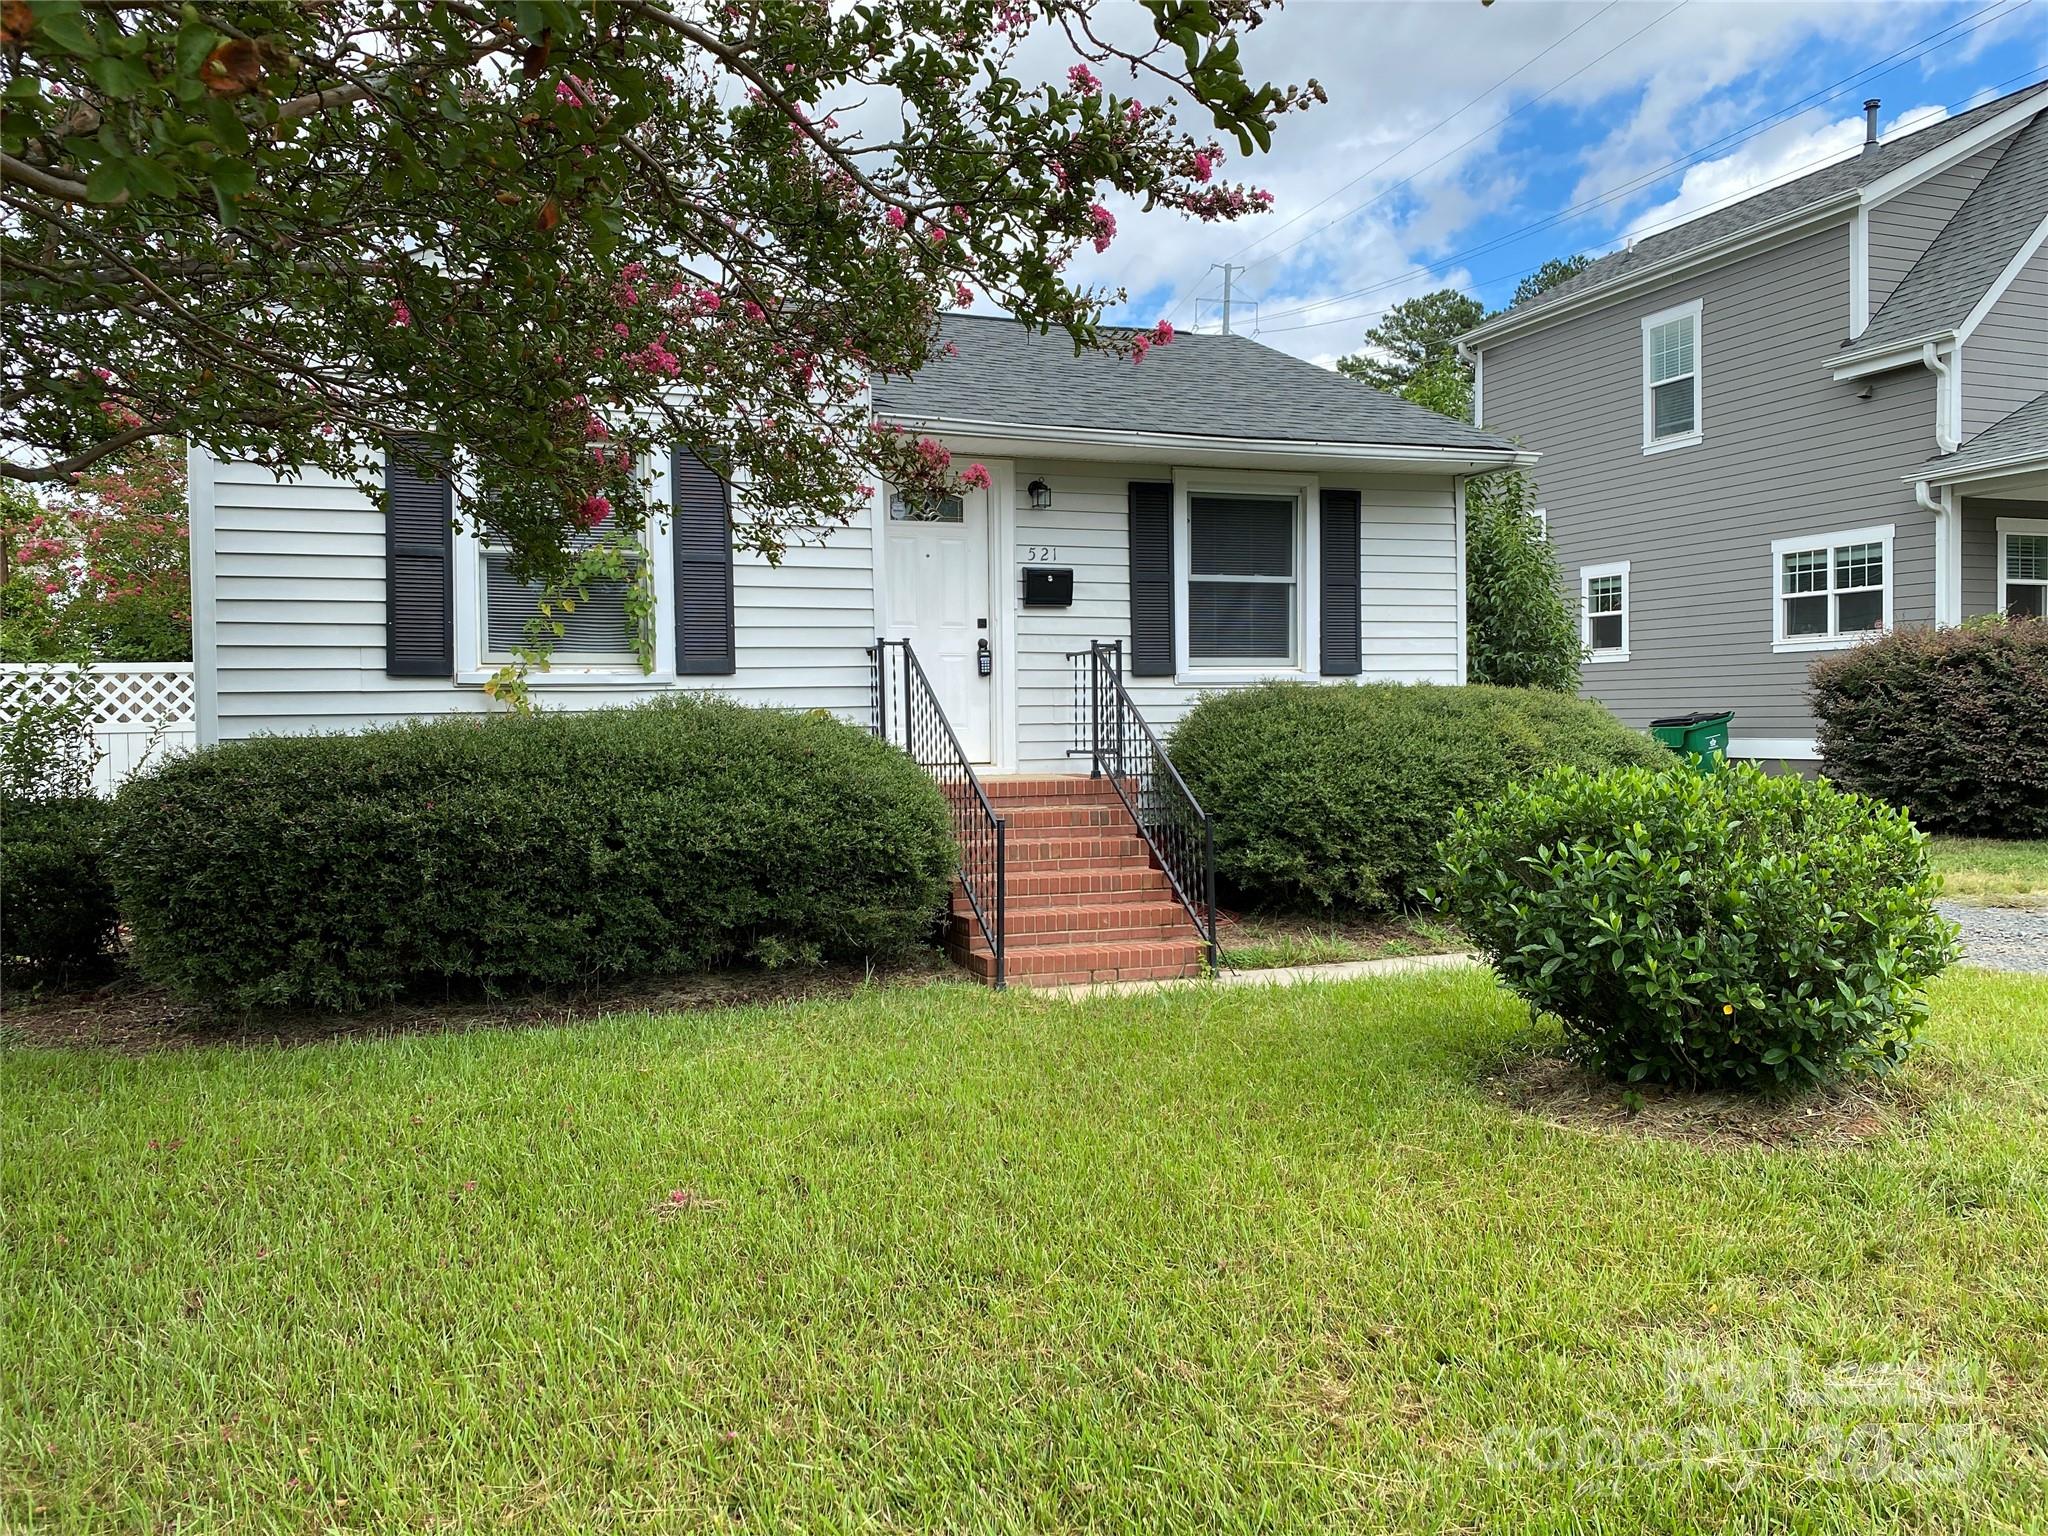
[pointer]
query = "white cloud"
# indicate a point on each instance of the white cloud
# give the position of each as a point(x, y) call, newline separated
point(1781, 155)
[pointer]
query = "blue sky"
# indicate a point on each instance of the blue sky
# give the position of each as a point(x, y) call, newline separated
point(1585, 118)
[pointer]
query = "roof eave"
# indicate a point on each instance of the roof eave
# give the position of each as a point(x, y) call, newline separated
point(1098, 442)
point(1865, 361)
point(2034, 462)
point(1785, 227)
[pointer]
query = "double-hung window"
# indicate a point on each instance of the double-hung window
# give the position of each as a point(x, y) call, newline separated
point(1671, 378)
point(1832, 589)
point(2023, 566)
point(595, 629)
point(1243, 580)
point(1603, 611)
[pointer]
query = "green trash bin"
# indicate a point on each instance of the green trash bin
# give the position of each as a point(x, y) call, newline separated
point(1702, 735)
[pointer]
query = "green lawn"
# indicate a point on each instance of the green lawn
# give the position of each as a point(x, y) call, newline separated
point(1229, 1258)
point(1991, 872)
point(1260, 942)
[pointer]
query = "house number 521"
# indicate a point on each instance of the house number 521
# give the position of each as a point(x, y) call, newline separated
point(1041, 554)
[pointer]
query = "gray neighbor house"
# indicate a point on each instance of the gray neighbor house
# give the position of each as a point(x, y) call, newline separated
point(1795, 422)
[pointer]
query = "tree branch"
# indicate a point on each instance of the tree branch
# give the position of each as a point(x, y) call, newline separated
point(21, 173)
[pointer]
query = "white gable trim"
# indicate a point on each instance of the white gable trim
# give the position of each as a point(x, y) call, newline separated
point(2004, 280)
point(1908, 176)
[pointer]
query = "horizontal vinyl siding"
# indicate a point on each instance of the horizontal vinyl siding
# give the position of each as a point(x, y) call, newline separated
point(298, 615)
point(1786, 451)
point(1903, 228)
point(1409, 598)
point(2005, 361)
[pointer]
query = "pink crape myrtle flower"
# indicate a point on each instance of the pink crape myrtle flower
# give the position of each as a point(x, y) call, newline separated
point(1105, 226)
point(1205, 165)
point(595, 509)
point(975, 475)
point(400, 315)
point(1162, 333)
point(1083, 80)
point(893, 218)
point(962, 295)
point(938, 234)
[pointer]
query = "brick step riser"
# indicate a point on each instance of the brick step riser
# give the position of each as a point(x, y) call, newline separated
point(1100, 917)
point(970, 938)
point(1015, 903)
point(1038, 820)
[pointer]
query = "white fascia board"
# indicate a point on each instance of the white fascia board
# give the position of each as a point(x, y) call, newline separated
point(1905, 354)
point(1011, 439)
point(1995, 469)
point(2005, 279)
point(1788, 226)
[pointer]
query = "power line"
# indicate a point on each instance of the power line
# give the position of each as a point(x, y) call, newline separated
point(1373, 314)
point(1388, 191)
point(1575, 31)
point(1748, 131)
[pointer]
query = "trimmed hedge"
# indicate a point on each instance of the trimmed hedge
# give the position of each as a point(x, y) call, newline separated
point(551, 850)
point(1726, 929)
point(57, 913)
point(1951, 724)
point(1334, 795)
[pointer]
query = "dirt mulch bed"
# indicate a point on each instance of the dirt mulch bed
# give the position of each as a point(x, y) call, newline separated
point(1566, 1096)
point(127, 1014)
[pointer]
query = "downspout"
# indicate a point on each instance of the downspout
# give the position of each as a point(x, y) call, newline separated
point(1947, 437)
point(1948, 525)
point(1948, 553)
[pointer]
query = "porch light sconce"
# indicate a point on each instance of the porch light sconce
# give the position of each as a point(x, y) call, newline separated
point(1041, 494)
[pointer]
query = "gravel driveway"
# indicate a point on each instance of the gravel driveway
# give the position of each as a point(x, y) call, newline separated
point(2001, 938)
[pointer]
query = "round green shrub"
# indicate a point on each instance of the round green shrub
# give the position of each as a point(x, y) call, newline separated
point(1944, 722)
point(1335, 795)
point(1732, 929)
point(57, 913)
point(551, 850)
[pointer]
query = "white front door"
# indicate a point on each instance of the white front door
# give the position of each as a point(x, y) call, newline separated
point(936, 596)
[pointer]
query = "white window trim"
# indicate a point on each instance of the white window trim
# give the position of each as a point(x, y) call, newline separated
point(1542, 516)
point(1651, 442)
point(1587, 575)
point(1305, 489)
point(1831, 542)
point(471, 669)
point(2007, 526)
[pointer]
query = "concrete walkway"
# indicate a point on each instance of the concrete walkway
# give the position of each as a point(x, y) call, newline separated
point(1277, 976)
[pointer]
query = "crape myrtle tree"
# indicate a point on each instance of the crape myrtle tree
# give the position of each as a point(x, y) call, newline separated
point(558, 234)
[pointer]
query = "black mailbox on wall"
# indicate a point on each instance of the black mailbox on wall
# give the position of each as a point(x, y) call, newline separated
point(1048, 587)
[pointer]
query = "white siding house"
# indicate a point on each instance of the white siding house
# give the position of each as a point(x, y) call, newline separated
point(1248, 459)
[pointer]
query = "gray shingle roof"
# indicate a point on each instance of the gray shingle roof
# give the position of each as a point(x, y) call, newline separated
point(2018, 438)
point(1974, 246)
point(1211, 386)
point(1815, 187)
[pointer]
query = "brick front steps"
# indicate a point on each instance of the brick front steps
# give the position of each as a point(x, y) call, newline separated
point(1085, 901)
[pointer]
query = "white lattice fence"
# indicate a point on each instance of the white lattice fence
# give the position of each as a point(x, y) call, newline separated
point(140, 710)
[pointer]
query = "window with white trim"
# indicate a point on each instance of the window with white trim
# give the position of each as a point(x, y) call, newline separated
point(1244, 580)
point(2023, 567)
point(1671, 378)
point(595, 629)
point(1832, 589)
point(1603, 611)
point(1542, 517)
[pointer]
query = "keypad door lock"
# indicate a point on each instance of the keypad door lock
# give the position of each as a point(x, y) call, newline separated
point(984, 659)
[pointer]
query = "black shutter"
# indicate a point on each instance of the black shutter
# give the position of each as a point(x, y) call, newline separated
point(419, 563)
point(703, 548)
point(1342, 642)
point(1151, 578)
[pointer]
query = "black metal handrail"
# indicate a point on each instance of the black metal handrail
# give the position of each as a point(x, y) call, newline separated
point(1123, 746)
point(908, 715)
